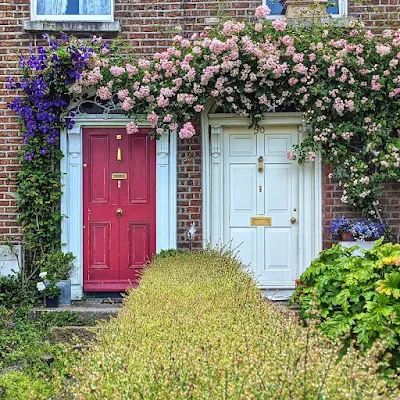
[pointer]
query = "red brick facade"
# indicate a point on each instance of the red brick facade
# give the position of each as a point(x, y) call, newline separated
point(146, 26)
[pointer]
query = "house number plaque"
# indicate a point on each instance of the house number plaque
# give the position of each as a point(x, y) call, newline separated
point(261, 221)
point(119, 176)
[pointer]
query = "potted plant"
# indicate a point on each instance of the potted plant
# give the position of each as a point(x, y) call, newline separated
point(367, 230)
point(51, 292)
point(340, 227)
point(58, 266)
point(364, 232)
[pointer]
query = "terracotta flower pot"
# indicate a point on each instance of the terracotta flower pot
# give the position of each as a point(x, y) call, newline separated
point(347, 237)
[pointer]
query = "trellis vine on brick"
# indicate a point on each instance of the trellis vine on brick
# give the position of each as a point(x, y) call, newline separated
point(343, 78)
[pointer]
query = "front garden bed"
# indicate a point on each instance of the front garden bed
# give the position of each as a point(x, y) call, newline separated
point(198, 328)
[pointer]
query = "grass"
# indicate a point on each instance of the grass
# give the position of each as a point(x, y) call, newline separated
point(197, 329)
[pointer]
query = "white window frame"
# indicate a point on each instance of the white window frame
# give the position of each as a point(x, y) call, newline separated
point(74, 17)
point(343, 10)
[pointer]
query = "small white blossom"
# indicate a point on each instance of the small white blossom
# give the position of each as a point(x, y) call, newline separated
point(40, 286)
point(42, 275)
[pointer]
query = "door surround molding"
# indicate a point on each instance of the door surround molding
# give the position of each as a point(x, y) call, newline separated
point(72, 181)
point(309, 179)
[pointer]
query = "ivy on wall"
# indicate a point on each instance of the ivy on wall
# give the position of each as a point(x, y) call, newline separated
point(343, 78)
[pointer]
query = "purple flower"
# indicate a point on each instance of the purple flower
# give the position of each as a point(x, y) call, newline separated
point(29, 156)
point(339, 225)
point(367, 230)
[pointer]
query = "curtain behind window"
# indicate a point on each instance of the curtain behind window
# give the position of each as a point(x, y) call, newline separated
point(52, 7)
point(86, 7)
point(95, 7)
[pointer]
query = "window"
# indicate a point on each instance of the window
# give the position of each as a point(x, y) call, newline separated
point(337, 8)
point(72, 10)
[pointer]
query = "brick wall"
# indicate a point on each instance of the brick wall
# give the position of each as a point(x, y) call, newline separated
point(189, 190)
point(12, 41)
point(377, 14)
point(332, 207)
point(147, 26)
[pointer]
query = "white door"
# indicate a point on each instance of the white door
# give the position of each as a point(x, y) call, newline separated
point(261, 202)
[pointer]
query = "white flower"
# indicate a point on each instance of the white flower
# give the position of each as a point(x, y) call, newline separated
point(40, 286)
point(42, 275)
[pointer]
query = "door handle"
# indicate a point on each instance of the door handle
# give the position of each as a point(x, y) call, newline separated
point(119, 211)
point(261, 164)
point(293, 220)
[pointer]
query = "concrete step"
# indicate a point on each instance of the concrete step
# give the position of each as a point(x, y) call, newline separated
point(88, 311)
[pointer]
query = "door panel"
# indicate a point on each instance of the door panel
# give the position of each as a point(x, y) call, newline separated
point(270, 191)
point(139, 244)
point(119, 214)
point(244, 239)
point(99, 173)
point(100, 246)
point(139, 167)
point(278, 262)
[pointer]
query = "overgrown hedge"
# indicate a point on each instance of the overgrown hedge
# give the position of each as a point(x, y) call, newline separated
point(197, 328)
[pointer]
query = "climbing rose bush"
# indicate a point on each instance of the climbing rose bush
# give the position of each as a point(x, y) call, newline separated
point(344, 79)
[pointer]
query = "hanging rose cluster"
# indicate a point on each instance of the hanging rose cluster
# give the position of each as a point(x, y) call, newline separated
point(344, 79)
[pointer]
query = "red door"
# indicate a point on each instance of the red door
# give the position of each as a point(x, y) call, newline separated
point(119, 214)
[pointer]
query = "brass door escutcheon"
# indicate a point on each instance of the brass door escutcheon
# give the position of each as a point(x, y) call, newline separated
point(119, 154)
point(261, 164)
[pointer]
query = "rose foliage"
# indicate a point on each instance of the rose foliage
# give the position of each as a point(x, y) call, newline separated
point(343, 78)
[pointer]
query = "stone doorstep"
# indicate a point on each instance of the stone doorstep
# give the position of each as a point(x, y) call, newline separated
point(88, 311)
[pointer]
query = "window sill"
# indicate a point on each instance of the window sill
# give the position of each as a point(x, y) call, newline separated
point(71, 26)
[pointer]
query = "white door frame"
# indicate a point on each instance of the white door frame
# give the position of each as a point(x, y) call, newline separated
point(72, 197)
point(310, 183)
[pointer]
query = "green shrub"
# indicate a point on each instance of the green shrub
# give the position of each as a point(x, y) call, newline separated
point(57, 264)
point(19, 385)
point(170, 253)
point(197, 328)
point(12, 295)
point(355, 298)
point(23, 342)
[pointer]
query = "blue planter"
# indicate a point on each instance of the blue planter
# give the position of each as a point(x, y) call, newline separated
point(65, 296)
point(51, 302)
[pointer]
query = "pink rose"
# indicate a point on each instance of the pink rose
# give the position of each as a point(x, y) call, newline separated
point(262, 12)
point(104, 93)
point(117, 71)
point(187, 131)
point(279, 24)
point(123, 94)
point(131, 128)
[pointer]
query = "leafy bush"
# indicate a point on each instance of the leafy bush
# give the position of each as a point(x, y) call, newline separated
point(170, 253)
point(355, 297)
point(12, 294)
point(197, 328)
point(22, 343)
point(57, 264)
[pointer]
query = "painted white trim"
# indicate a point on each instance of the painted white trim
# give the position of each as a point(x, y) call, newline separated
point(72, 198)
point(71, 17)
point(310, 184)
